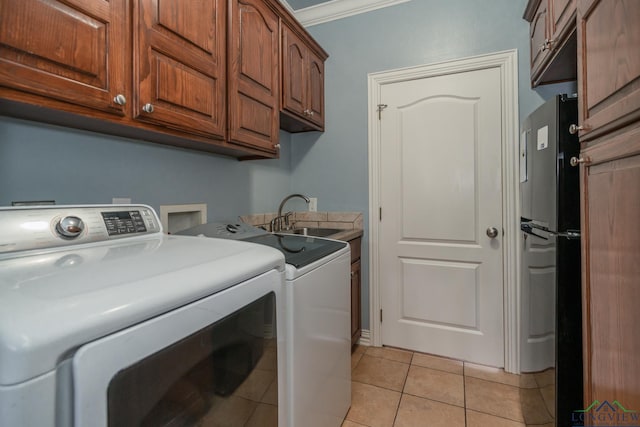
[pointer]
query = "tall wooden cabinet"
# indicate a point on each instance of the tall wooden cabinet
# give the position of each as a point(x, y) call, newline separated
point(72, 51)
point(609, 112)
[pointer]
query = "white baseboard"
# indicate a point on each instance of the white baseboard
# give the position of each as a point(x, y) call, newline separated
point(365, 337)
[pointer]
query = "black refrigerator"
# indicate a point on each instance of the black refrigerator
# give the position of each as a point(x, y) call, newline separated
point(550, 222)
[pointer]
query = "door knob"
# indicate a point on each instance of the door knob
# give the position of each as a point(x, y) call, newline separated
point(492, 232)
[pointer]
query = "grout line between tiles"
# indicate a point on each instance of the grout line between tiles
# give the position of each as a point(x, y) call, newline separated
point(464, 394)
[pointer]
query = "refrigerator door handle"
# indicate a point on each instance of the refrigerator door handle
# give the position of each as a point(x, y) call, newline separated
point(527, 229)
point(527, 225)
point(569, 234)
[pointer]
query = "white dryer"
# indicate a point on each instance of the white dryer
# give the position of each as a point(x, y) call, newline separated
point(318, 320)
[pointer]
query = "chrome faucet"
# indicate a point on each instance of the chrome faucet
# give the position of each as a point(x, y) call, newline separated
point(276, 223)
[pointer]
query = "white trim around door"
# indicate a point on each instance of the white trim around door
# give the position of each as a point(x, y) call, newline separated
point(507, 62)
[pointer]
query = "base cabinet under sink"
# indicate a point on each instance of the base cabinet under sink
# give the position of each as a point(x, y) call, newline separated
point(356, 293)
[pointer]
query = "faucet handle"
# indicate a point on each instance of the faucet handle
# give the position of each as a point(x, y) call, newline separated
point(286, 220)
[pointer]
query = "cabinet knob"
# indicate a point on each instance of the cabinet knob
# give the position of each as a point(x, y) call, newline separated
point(305, 112)
point(548, 43)
point(277, 146)
point(148, 108)
point(120, 99)
point(310, 113)
point(353, 273)
point(573, 129)
point(575, 161)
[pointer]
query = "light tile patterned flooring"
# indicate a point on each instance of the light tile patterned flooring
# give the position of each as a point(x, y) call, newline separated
point(398, 388)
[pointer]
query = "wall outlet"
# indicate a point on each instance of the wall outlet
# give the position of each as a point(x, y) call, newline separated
point(313, 204)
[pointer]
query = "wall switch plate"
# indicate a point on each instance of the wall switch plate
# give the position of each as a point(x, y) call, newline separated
point(313, 204)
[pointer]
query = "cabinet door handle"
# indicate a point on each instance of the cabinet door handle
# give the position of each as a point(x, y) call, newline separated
point(575, 161)
point(148, 108)
point(548, 43)
point(573, 129)
point(120, 99)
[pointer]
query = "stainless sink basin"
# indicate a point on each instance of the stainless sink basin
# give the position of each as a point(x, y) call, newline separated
point(317, 232)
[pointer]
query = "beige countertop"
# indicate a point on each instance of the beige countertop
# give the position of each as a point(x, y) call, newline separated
point(346, 235)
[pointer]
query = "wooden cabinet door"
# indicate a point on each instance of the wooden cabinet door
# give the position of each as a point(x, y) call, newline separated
point(180, 67)
point(561, 13)
point(538, 34)
point(611, 270)
point(356, 311)
point(294, 73)
point(302, 84)
point(609, 65)
point(72, 51)
point(254, 75)
point(316, 89)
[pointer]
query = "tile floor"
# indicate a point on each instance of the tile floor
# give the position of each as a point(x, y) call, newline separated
point(398, 388)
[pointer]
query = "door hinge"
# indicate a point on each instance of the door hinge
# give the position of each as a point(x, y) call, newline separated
point(380, 108)
point(380, 212)
point(380, 315)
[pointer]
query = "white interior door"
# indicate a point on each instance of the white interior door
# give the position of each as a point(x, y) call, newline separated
point(441, 274)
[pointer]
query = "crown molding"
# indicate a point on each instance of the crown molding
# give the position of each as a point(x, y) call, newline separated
point(287, 6)
point(338, 9)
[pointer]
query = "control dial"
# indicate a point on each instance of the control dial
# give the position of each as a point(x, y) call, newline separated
point(70, 227)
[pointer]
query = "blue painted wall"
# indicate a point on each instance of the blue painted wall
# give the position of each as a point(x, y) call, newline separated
point(334, 166)
point(47, 162)
point(44, 162)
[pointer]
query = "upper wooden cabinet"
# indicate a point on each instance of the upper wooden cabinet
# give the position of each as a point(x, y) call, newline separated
point(181, 65)
point(254, 75)
point(609, 69)
point(73, 51)
point(302, 84)
point(201, 74)
point(552, 38)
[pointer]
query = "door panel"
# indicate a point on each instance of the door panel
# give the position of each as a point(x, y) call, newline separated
point(294, 89)
point(316, 89)
point(441, 275)
point(452, 285)
point(449, 153)
point(611, 289)
point(72, 51)
point(609, 40)
point(181, 65)
point(254, 75)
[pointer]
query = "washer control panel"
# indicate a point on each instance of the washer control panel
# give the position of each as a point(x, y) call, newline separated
point(44, 227)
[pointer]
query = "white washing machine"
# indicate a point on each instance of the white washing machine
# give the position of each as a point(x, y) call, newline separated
point(318, 320)
point(105, 321)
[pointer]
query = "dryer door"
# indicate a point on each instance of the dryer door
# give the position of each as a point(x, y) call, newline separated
point(216, 355)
